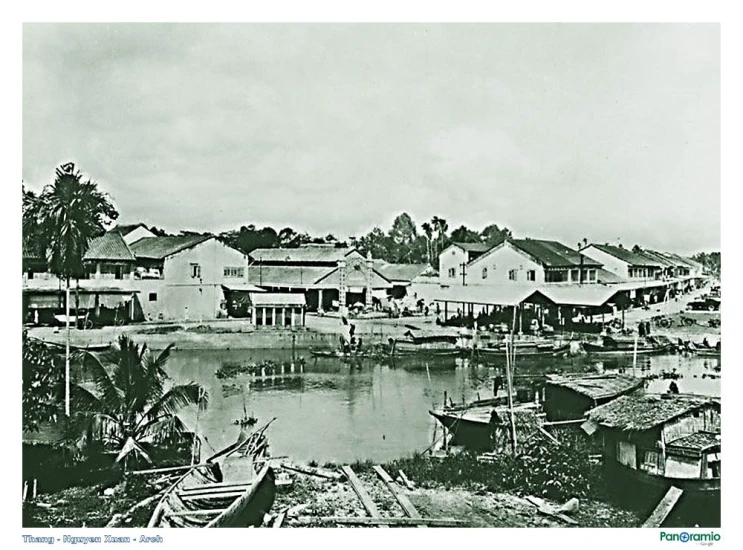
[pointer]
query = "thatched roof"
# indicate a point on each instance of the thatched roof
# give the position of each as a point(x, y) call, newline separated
point(598, 386)
point(698, 442)
point(639, 412)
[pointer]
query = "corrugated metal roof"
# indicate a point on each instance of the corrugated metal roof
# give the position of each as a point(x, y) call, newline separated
point(286, 276)
point(598, 386)
point(627, 256)
point(295, 299)
point(401, 272)
point(110, 246)
point(636, 412)
point(579, 295)
point(157, 248)
point(306, 253)
point(501, 295)
point(553, 253)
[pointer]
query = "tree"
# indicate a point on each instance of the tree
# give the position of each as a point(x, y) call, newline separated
point(67, 215)
point(440, 227)
point(463, 234)
point(43, 384)
point(131, 411)
point(494, 235)
point(428, 231)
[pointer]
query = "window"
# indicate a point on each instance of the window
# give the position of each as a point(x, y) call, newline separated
point(591, 274)
point(195, 271)
point(512, 275)
point(652, 462)
point(152, 297)
point(575, 274)
point(452, 272)
point(531, 275)
point(234, 272)
point(484, 272)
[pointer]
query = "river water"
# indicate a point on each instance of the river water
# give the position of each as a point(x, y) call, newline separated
point(327, 410)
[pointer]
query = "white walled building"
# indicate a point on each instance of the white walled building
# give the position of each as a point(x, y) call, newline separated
point(625, 263)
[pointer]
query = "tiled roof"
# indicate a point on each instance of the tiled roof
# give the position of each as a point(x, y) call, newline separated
point(553, 253)
point(627, 256)
point(126, 229)
point(599, 386)
point(295, 299)
point(110, 246)
point(642, 412)
point(473, 247)
point(158, 248)
point(354, 279)
point(401, 272)
point(308, 253)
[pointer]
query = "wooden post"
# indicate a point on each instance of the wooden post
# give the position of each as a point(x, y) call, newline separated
point(634, 357)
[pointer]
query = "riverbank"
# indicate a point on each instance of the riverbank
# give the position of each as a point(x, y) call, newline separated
point(310, 498)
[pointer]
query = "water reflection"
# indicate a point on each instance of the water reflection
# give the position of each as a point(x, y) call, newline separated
point(329, 410)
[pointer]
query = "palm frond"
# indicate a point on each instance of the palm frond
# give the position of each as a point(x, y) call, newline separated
point(132, 447)
point(110, 395)
point(174, 400)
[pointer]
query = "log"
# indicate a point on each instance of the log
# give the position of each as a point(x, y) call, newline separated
point(564, 422)
point(406, 481)
point(548, 435)
point(401, 522)
point(401, 498)
point(664, 508)
point(546, 510)
point(313, 471)
point(361, 492)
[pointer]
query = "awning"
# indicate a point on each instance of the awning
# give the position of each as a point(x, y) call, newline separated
point(242, 287)
point(276, 299)
point(501, 295)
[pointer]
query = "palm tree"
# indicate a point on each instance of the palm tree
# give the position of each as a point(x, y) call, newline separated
point(428, 230)
point(130, 411)
point(61, 221)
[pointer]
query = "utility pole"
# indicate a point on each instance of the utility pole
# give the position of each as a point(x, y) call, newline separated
point(464, 273)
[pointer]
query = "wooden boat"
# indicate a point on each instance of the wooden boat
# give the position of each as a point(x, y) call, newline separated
point(644, 350)
point(234, 488)
point(474, 425)
point(526, 350)
point(428, 342)
point(90, 347)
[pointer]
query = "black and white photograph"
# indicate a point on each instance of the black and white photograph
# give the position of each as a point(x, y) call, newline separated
point(370, 275)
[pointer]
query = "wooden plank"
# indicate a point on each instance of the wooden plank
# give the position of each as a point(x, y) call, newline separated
point(549, 436)
point(210, 486)
point(279, 520)
point(313, 471)
point(198, 513)
point(402, 522)
point(545, 509)
point(664, 508)
point(207, 496)
point(361, 492)
point(170, 469)
point(564, 422)
point(406, 481)
point(401, 497)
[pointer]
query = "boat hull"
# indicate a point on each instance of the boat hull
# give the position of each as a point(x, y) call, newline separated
point(601, 350)
point(470, 433)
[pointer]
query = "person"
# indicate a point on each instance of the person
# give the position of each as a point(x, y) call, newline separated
point(705, 342)
point(493, 423)
point(641, 329)
point(647, 328)
point(497, 384)
point(673, 387)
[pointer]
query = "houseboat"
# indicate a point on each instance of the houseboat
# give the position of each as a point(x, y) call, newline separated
point(429, 342)
point(570, 397)
point(653, 442)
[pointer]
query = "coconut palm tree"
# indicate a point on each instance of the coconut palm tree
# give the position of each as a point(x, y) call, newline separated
point(131, 411)
point(61, 221)
point(428, 230)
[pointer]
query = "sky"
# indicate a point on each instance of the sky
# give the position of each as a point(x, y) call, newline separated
point(608, 132)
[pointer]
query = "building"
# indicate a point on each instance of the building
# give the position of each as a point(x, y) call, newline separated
point(278, 309)
point(569, 398)
point(188, 277)
point(519, 261)
point(132, 233)
point(404, 277)
point(655, 441)
point(328, 275)
point(104, 294)
point(453, 260)
point(629, 265)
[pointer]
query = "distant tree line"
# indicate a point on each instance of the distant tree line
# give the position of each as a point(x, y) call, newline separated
point(405, 242)
point(710, 260)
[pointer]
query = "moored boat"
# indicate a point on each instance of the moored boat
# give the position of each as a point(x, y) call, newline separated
point(428, 342)
point(234, 488)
